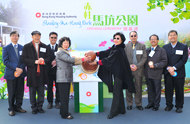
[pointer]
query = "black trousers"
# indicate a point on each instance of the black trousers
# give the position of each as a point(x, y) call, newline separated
point(172, 83)
point(50, 91)
point(154, 92)
point(16, 91)
point(40, 98)
point(64, 90)
point(118, 104)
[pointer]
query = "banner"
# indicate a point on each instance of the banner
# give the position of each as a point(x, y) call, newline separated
point(91, 24)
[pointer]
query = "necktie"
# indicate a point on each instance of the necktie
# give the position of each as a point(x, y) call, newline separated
point(53, 48)
point(133, 46)
point(152, 49)
point(172, 49)
point(16, 50)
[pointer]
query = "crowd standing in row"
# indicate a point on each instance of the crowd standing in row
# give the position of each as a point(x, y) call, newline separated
point(125, 63)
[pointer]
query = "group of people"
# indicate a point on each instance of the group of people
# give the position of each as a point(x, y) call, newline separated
point(121, 67)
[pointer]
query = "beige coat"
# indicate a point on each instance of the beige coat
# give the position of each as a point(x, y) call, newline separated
point(141, 58)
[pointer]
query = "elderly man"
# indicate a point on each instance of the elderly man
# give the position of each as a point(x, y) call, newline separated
point(35, 55)
point(136, 54)
point(156, 61)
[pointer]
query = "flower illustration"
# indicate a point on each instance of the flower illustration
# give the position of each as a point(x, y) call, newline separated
point(103, 43)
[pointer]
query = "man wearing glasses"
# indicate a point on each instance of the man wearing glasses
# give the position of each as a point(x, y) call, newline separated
point(174, 73)
point(52, 71)
point(156, 62)
point(136, 54)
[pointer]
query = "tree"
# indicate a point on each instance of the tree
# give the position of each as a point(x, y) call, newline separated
point(12, 13)
point(182, 10)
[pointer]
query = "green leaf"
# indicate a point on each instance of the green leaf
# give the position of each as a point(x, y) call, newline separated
point(149, 4)
point(152, 1)
point(158, 4)
point(175, 20)
point(180, 5)
point(153, 6)
point(162, 8)
point(149, 9)
point(187, 6)
point(165, 3)
point(170, 1)
point(178, 10)
point(181, 16)
point(174, 14)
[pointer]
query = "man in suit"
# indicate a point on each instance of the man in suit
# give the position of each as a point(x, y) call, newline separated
point(156, 61)
point(174, 74)
point(35, 55)
point(52, 71)
point(136, 54)
point(14, 73)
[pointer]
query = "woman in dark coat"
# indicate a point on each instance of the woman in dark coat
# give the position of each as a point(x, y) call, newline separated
point(114, 63)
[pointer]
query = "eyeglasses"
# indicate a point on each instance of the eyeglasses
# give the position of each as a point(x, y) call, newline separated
point(116, 38)
point(173, 35)
point(53, 37)
point(153, 39)
point(133, 35)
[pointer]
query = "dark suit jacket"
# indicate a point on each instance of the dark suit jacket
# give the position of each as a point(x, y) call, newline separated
point(52, 71)
point(29, 56)
point(160, 61)
point(175, 59)
point(11, 61)
point(141, 59)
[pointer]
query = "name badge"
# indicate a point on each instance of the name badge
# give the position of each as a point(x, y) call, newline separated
point(151, 53)
point(20, 52)
point(55, 53)
point(139, 52)
point(42, 49)
point(179, 52)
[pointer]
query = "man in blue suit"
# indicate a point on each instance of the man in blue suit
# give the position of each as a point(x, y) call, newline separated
point(14, 74)
point(174, 73)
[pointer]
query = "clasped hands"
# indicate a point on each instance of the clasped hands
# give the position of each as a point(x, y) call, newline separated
point(40, 60)
point(19, 72)
point(171, 70)
point(133, 67)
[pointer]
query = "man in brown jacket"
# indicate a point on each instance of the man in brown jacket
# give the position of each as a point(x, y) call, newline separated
point(136, 54)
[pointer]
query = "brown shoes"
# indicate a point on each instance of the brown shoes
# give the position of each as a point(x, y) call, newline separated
point(11, 113)
point(21, 111)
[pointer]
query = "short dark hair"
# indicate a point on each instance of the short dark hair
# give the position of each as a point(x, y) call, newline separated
point(35, 32)
point(131, 32)
point(64, 39)
point(121, 35)
point(171, 31)
point(14, 32)
point(153, 35)
point(53, 33)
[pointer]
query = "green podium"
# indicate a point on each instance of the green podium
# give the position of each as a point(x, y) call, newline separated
point(88, 97)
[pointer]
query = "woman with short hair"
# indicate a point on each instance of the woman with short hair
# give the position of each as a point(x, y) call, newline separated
point(64, 75)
